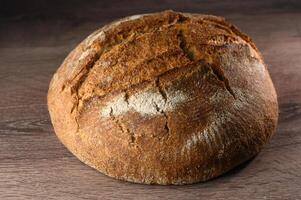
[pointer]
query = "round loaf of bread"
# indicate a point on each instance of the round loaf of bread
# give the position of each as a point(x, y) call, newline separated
point(164, 98)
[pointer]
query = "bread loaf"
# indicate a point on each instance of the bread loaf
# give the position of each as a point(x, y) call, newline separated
point(164, 98)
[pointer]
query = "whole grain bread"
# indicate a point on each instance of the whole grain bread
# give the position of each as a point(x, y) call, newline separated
point(164, 98)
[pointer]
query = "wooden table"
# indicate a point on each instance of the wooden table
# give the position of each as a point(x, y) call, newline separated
point(35, 36)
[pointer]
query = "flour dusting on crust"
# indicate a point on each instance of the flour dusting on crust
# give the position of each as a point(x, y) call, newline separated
point(218, 121)
point(145, 103)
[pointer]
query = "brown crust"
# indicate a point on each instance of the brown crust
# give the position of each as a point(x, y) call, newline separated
point(164, 98)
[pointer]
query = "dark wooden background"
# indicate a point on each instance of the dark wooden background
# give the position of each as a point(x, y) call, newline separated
point(35, 37)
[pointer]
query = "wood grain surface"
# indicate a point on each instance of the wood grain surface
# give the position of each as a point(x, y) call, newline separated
point(35, 37)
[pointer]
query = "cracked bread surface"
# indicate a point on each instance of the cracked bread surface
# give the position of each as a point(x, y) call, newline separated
point(164, 98)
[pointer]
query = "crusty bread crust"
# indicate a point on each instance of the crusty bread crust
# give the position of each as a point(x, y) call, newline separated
point(164, 98)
